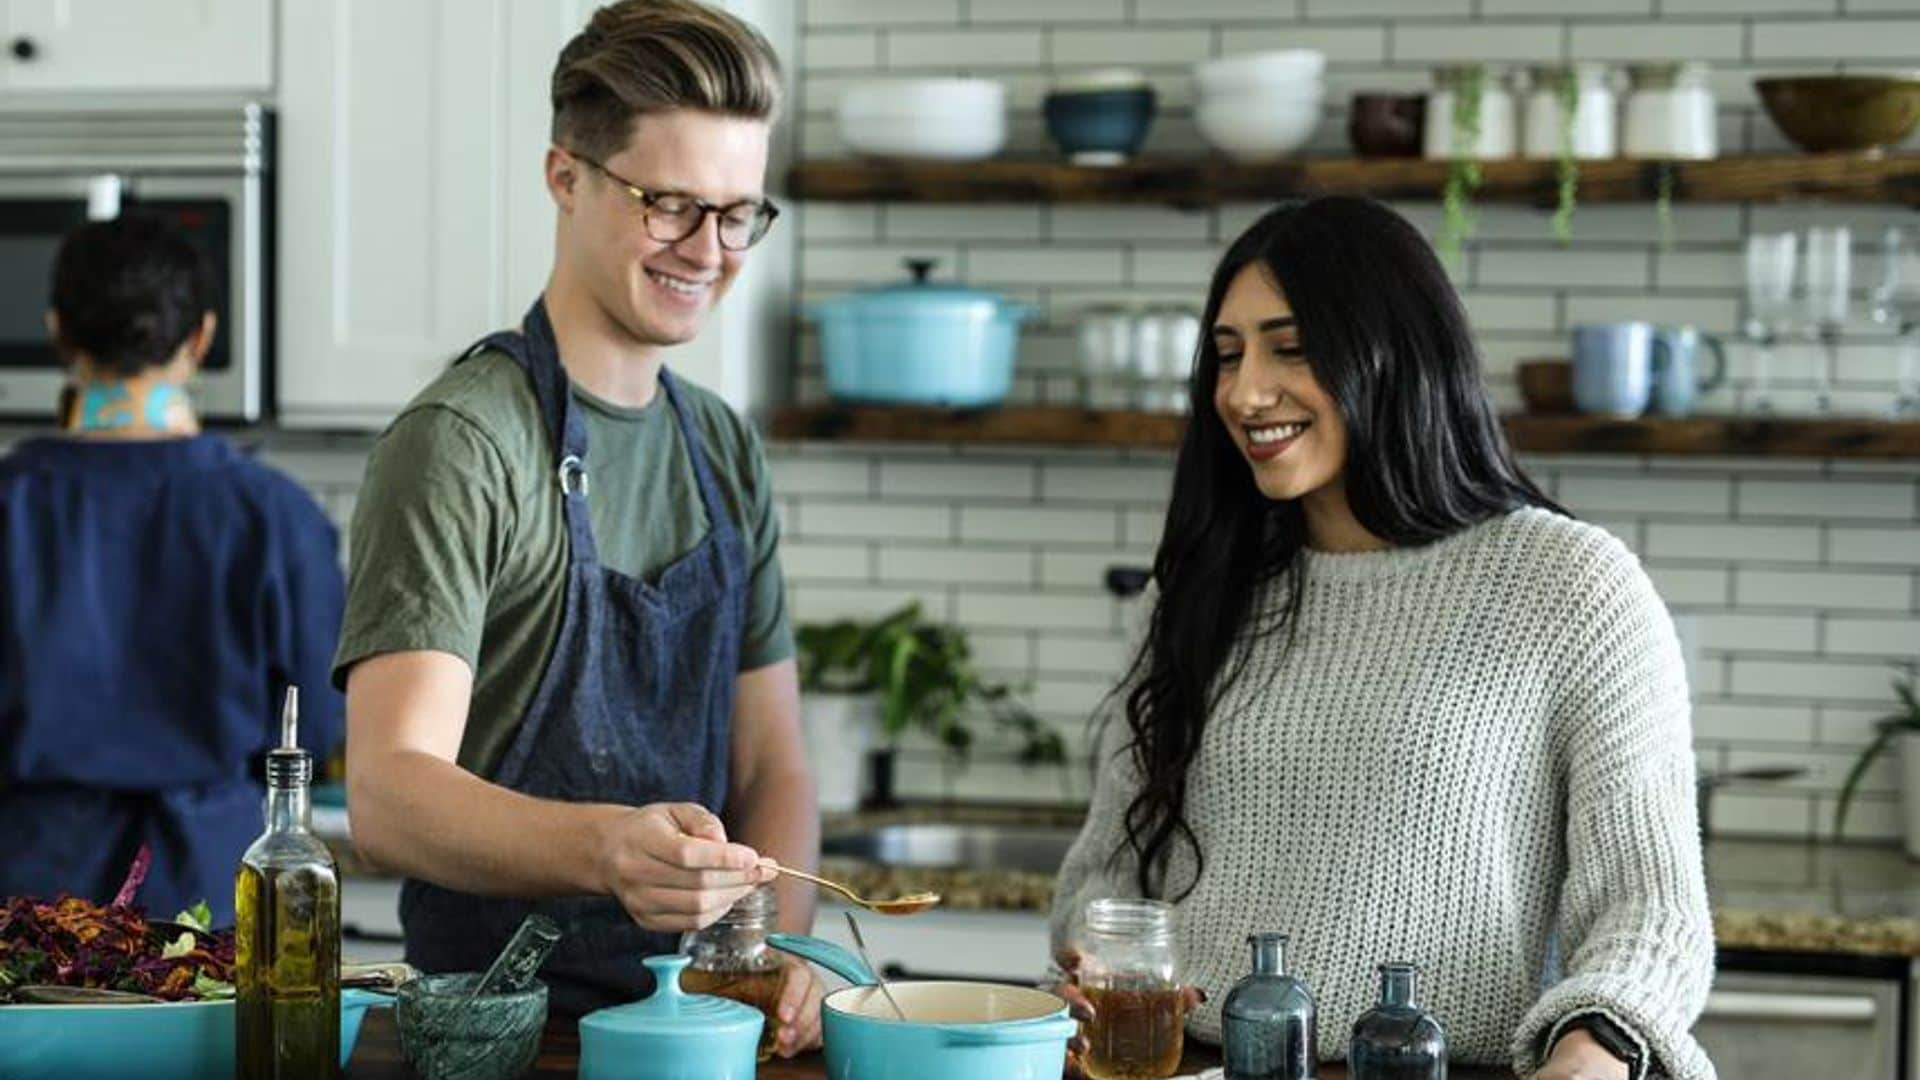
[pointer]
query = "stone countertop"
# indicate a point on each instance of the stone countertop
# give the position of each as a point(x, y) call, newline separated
point(1767, 895)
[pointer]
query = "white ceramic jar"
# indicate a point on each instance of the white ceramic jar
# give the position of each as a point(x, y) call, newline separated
point(1496, 137)
point(1670, 113)
point(1592, 135)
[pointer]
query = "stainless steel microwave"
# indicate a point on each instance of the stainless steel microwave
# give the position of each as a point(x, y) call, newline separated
point(209, 170)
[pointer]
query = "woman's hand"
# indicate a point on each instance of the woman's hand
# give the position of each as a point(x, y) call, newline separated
point(1578, 1057)
point(799, 1009)
point(1081, 1009)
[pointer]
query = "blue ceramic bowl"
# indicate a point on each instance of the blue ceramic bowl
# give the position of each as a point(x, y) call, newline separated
point(1099, 127)
point(176, 1041)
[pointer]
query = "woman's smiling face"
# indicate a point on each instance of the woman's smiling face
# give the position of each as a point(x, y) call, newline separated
point(1287, 427)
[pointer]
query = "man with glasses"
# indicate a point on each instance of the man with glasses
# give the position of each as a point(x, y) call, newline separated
point(569, 676)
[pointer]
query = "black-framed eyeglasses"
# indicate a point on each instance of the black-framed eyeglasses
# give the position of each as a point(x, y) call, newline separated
point(672, 216)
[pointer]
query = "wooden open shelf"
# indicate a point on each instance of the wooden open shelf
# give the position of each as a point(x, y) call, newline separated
point(1044, 426)
point(1203, 182)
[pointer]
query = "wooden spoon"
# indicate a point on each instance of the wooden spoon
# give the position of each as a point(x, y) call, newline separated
point(912, 904)
point(36, 994)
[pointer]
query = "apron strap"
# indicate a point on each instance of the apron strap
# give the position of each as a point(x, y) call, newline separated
point(538, 354)
point(719, 520)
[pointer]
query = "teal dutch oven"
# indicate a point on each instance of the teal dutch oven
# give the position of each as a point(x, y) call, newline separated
point(920, 343)
point(187, 1040)
point(672, 1035)
point(953, 1030)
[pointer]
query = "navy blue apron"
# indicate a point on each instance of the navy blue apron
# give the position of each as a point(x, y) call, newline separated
point(635, 707)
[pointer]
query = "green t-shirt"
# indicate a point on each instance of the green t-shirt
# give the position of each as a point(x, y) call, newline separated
point(459, 543)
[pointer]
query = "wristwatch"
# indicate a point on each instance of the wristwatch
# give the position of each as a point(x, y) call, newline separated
point(1612, 1038)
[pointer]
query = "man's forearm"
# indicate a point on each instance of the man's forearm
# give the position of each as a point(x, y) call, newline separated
point(776, 817)
point(428, 818)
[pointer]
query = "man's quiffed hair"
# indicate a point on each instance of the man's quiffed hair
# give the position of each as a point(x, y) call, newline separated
point(640, 56)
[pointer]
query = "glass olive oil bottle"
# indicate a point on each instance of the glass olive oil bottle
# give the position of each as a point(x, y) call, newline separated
point(287, 932)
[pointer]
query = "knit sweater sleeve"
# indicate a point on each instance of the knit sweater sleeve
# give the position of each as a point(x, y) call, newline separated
point(1635, 933)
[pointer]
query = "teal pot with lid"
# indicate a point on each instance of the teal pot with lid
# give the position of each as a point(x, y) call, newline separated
point(920, 343)
point(953, 1030)
point(672, 1035)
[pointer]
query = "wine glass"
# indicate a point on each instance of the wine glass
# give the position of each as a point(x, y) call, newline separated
point(1771, 258)
point(1829, 277)
point(1896, 303)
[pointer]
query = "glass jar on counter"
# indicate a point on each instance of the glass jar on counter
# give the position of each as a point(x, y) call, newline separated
point(1129, 972)
point(1670, 112)
point(1484, 132)
point(731, 959)
point(1547, 130)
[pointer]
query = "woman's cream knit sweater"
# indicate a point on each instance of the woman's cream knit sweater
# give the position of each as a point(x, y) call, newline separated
point(1474, 755)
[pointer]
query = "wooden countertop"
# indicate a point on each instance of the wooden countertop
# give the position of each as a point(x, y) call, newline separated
point(377, 1057)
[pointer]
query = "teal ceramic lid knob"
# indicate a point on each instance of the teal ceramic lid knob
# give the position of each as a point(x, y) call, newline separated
point(671, 1035)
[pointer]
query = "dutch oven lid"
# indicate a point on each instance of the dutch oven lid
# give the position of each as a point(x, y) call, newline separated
point(671, 1013)
point(921, 296)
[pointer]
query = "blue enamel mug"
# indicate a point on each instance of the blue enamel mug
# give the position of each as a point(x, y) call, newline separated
point(1613, 365)
point(1677, 379)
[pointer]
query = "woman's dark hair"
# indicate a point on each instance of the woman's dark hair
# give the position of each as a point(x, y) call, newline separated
point(129, 291)
point(1388, 340)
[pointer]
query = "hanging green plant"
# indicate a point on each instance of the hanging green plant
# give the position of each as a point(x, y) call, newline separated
point(1567, 168)
point(1463, 171)
point(1663, 205)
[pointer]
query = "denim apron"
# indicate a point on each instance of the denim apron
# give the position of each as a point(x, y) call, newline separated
point(635, 707)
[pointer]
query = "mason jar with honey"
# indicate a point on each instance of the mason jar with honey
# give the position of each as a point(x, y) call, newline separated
point(731, 959)
point(1130, 975)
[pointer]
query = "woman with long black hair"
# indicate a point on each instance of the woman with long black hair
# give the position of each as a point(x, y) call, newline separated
point(1390, 698)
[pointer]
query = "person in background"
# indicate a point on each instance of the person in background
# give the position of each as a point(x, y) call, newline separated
point(159, 591)
point(570, 680)
point(1390, 698)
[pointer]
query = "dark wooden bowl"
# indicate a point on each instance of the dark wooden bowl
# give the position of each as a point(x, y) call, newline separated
point(1842, 113)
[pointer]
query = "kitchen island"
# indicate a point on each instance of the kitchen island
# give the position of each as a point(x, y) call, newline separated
point(377, 1057)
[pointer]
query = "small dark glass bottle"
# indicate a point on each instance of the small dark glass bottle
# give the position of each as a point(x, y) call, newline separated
point(1267, 1021)
point(1395, 1040)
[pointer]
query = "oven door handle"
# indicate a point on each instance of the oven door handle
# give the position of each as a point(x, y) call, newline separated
point(1826, 1008)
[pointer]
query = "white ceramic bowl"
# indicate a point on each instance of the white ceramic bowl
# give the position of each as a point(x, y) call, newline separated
point(937, 119)
point(1273, 68)
point(1261, 130)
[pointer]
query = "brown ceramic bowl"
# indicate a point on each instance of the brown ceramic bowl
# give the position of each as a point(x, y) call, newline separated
point(1546, 386)
point(1387, 125)
point(1842, 113)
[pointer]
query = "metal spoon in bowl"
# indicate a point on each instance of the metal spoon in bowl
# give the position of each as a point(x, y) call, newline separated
point(880, 980)
point(911, 904)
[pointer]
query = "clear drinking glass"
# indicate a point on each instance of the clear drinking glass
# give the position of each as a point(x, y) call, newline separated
point(1828, 279)
point(1771, 259)
point(1896, 303)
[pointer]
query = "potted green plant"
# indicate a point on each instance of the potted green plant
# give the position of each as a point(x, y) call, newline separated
point(1890, 730)
point(866, 684)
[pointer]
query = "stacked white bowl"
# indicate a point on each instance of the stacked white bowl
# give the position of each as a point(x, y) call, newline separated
point(1260, 106)
point(934, 119)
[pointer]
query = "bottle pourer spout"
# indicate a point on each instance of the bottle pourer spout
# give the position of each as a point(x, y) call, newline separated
point(290, 720)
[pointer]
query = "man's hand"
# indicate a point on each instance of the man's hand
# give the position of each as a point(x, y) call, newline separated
point(799, 1009)
point(671, 867)
point(1578, 1057)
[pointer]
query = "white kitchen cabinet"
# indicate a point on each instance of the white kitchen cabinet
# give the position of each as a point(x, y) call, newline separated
point(82, 46)
point(414, 216)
